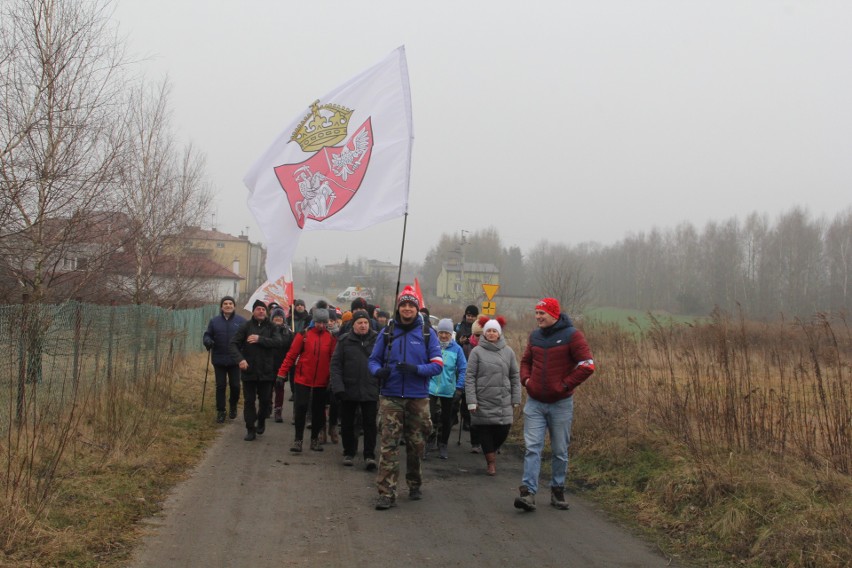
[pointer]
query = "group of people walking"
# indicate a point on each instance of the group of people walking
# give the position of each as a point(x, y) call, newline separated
point(403, 383)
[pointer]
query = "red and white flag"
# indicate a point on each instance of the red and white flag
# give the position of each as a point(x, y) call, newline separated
point(342, 164)
point(279, 291)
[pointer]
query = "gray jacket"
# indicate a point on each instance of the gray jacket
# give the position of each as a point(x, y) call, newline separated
point(492, 382)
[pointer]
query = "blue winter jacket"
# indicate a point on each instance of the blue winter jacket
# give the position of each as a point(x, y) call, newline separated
point(218, 337)
point(452, 378)
point(407, 347)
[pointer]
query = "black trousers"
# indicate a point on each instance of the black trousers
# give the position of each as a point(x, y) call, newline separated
point(348, 431)
point(257, 391)
point(441, 409)
point(227, 375)
point(491, 436)
point(305, 397)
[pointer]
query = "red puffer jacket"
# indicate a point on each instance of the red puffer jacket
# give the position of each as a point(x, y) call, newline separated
point(557, 359)
point(313, 349)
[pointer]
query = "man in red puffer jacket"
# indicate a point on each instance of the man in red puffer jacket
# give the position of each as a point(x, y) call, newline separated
point(556, 361)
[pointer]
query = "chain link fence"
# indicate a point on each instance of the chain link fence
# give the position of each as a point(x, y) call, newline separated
point(49, 353)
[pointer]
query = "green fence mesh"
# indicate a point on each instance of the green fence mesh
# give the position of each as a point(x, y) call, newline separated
point(48, 352)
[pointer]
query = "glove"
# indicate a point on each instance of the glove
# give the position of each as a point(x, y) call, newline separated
point(279, 381)
point(406, 368)
point(383, 373)
point(338, 396)
point(208, 345)
point(457, 396)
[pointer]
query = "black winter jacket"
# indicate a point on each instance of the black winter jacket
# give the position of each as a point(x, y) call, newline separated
point(349, 372)
point(261, 355)
point(218, 336)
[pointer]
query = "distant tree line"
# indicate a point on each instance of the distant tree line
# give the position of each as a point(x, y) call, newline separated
point(795, 266)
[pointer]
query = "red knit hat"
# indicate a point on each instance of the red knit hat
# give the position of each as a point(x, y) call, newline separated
point(408, 295)
point(549, 306)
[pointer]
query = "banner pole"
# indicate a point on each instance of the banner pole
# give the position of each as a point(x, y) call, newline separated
point(401, 253)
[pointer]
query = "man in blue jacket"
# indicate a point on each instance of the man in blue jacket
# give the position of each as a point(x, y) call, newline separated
point(218, 336)
point(406, 356)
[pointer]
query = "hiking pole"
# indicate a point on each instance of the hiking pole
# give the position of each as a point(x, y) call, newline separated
point(206, 372)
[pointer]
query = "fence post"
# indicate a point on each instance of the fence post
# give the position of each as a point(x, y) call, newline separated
point(110, 341)
point(78, 323)
point(22, 363)
point(137, 345)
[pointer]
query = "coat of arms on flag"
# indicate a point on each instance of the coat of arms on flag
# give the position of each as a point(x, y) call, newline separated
point(323, 184)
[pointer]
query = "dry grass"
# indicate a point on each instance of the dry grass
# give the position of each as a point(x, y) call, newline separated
point(729, 442)
point(126, 449)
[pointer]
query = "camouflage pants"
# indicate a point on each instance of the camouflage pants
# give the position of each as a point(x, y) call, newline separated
point(408, 419)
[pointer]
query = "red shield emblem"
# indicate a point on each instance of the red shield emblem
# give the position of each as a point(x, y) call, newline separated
point(322, 185)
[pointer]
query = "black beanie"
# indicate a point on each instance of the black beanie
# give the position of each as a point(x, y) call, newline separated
point(222, 301)
point(258, 303)
point(472, 310)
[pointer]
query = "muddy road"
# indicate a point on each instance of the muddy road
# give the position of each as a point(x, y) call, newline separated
point(255, 504)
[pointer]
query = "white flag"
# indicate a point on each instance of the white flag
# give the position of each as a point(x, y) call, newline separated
point(342, 164)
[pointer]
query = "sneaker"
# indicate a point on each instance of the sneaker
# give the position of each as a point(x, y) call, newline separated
point(414, 494)
point(525, 500)
point(476, 449)
point(315, 445)
point(278, 417)
point(296, 447)
point(432, 446)
point(371, 464)
point(557, 498)
point(442, 452)
point(385, 502)
point(250, 435)
point(220, 417)
point(348, 461)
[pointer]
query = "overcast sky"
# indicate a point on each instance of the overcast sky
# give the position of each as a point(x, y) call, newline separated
point(566, 121)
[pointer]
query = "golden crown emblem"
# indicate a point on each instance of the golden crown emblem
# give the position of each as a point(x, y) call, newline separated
point(324, 126)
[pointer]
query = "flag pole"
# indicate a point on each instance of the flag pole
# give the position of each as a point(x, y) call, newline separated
point(401, 252)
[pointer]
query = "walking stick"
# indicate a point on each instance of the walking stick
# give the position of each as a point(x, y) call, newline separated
point(204, 389)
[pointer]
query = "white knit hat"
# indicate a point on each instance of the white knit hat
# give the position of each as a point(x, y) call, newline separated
point(492, 324)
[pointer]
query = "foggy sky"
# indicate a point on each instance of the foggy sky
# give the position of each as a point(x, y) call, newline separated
point(565, 121)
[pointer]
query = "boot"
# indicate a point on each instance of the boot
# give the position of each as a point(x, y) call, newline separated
point(278, 417)
point(316, 445)
point(296, 448)
point(491, 463)
point(332, 433)
point(250, 435)
point(261, 427)
point(233, 412)
point(220, 417)
point(525, 500)
point(557, 498)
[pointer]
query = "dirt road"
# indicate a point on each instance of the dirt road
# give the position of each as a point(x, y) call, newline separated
point(255, 504)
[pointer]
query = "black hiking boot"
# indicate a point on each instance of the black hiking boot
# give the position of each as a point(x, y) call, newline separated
point(250, 435)
point(385, 502)
point(220, 417)
point(414, 494)
point(525, 500)
point(557, 498)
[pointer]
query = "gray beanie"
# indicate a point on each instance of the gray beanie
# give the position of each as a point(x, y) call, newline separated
point(321, 315)
point(445, 324)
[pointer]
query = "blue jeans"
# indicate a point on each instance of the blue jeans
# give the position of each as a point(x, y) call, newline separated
point(541, 417)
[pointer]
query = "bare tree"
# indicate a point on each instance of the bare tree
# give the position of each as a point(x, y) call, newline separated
point(60, 141)
point(163, 190)
point(561, 273)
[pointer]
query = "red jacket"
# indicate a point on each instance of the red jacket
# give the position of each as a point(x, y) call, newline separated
point(313, 351)
point(557, 359)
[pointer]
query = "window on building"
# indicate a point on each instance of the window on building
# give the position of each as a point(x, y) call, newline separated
point(220, 245)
